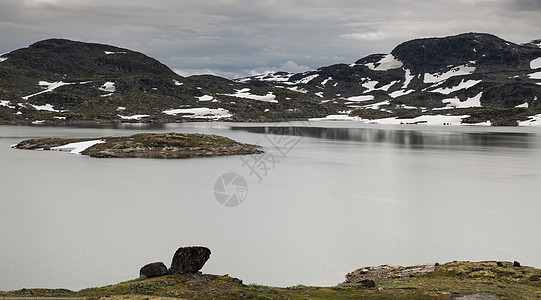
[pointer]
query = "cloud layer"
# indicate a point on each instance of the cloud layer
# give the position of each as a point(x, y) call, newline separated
point(236, 38)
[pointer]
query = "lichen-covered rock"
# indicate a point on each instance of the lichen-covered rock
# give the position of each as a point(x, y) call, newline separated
point(387, 271)
point(189, 259)
point(155, 269)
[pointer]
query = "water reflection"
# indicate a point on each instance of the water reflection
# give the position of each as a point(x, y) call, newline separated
point(405, 138)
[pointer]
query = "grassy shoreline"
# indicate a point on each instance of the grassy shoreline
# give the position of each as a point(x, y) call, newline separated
point(488, 279)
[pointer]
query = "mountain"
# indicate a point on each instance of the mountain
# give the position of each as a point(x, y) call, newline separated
point(58, 81)
point(474, 74)
point(471, 78)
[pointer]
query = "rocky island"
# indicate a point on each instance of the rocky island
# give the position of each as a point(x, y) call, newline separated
point(145, 145)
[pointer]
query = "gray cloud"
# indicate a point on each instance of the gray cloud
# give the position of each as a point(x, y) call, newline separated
point(238, 37)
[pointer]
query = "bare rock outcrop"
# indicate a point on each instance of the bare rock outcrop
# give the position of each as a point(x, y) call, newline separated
point(388, 271)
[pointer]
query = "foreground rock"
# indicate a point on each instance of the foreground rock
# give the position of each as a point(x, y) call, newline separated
point(146, 145)
point(387, 271)
point(156, 269)
point(189, 260)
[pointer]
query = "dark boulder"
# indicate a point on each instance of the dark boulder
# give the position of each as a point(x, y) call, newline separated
point(516, 264)
point(153, 270)
point(189, 260)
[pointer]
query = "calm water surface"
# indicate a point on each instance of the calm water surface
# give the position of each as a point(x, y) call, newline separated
point(322, 201)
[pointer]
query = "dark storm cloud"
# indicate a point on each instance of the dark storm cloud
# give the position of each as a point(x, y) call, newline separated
point(524, 5)
point(238, 37)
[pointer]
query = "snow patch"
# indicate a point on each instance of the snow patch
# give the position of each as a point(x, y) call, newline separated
point(377, 105)
point(108, 87)
point(319, 94)
point(388, 62)
point(121, 108)
point(408, 78)
point(272, 77)
point(200, 112)
point(77, 148)
point(336, 118)
point(400, 93)
point(307, 79)
point(360, 98)
point(38, 122)
point(6, 104)
point(535, 64)
point(425, 120)
point(386, 87)
point(324, 82)
point(536, 75)
point(3, 59)
point(134, 117)
point(532, 121)
point(525, 105)
point(470, 102)
point(462, 85)
point(205, 98)
point(111, 52)
point(456, 71)
point(46, 107)
point(176, 82)
point(243, 93)
point(370, 85)
point(51, 86)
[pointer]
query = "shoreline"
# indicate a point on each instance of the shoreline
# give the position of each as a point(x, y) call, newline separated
point(452, 280)
point(145, 145)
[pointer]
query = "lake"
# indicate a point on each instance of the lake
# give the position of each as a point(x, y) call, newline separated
point(324, 199)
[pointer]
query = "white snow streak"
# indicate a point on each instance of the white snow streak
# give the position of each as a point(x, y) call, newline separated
point(200, 112)
point(77, 148)
point(307, 79)
point(462, 85)
point(134, 117)
point(360, 98)
point(456, 71)
point(243, 93)
point(205, 98)
point(408, 78)
point(536, 75)
point(51, 86)
point(388, 62)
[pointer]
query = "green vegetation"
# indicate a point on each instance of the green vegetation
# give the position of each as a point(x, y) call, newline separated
point(447, 281)
point(145, 288)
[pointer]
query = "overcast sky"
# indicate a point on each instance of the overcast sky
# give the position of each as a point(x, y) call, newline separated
point(235, 38)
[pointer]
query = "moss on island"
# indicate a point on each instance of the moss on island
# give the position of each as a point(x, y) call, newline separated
point(151, 145)
point(476, 280)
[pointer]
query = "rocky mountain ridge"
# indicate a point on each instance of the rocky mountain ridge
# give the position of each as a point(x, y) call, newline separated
point(468, 78)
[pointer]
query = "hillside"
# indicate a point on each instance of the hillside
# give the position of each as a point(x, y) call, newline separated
point(479, 75)
point(61, 81)
point(454, 280)
point(469, 78)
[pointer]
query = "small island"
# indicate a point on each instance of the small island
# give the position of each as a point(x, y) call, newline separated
point(145, 145)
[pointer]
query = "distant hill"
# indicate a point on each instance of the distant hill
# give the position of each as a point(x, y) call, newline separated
point(474, 76)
